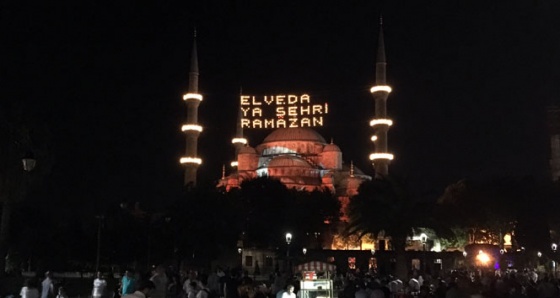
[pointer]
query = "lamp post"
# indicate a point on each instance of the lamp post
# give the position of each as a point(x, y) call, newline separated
point(100, 219)
point(288, 241)
point(424, 239)
point(28, 163)
point(240, 252)
point(554, 247)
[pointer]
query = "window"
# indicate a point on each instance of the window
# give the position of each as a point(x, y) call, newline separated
point(268, 261)
point(372, 263)
point(249, 261)
point(351, 263)
point(415, 264)
point(437, 261)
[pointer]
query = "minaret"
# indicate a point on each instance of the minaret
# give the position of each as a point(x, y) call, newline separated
point(192, 129)
point(239, 140)
point(381, 156)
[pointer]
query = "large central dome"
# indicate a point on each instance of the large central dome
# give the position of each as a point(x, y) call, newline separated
point(294, 134)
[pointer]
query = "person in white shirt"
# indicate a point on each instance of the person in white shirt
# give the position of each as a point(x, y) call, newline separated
point(414, 285)
point(289, 292)
point(204, 290)
point(99, 285)
point(47, 286)
point(29, 289)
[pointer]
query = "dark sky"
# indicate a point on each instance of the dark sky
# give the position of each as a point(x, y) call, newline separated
point(471, 81)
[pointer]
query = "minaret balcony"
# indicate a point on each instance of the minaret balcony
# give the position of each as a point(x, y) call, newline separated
point(381, 88)
point(191, 127)
point(239, 141)
point(190, 160)
point(387, 156)
point(375, 122)
point(195, 96)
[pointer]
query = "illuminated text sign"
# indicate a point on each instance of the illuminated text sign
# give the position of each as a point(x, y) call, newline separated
point(281, 111)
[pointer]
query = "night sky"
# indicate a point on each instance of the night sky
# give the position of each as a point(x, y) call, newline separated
point(471, 81)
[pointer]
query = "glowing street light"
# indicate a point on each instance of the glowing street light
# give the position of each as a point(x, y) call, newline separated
point(288, 241)
point(465, 254)
point(483, 258)
point(304, 250)
point(288, 238)
point(554, 247)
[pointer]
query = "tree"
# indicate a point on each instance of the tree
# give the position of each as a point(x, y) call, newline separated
point(491, 208)
point(386, 206)
point(270, 210)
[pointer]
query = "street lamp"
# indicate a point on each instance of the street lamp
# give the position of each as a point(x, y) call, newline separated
point(100, 219)
point(554, 247)
point(288, 241)
point(424, 239)
point(304, 250)
point(240, 252)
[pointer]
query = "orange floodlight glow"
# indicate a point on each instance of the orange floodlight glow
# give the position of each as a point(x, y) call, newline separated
point(483, 258)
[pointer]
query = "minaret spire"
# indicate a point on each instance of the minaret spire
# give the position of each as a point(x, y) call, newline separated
point(239, 140)
point(192, 129)
point(381, 123)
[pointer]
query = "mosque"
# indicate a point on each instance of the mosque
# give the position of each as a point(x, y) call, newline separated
point(298, 156)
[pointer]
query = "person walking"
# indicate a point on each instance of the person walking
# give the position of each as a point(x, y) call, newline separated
point(128, 283)
point(99, 286)
point(47, 286)
point(29, 289)
point(160, 281)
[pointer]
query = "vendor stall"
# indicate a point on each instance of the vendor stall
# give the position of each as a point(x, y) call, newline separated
point(315, 282)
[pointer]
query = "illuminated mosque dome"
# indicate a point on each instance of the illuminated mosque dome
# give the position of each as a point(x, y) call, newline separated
point(331, 148)
point(247, 150)
point(300, 158)
point(294, 134)
point(288, 161)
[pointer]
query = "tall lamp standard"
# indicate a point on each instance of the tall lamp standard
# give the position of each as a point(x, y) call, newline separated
point(554, 247)
point(28, 163)
point(288, 241)
point(100, 219)
point(240, 252)
point(424, 239)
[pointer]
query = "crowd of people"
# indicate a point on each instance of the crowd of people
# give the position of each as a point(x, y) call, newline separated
point(162, 283)
point(454, 284)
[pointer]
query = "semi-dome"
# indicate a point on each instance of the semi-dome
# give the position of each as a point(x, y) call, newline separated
point(288, 161)
point(247, 150)
point(294, 134)
point(331, 148)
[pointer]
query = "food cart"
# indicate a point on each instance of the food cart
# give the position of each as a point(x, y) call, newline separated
point(316, 281)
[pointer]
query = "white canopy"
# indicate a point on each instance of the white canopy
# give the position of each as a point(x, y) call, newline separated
point(316, 266)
